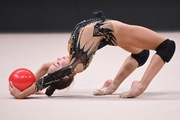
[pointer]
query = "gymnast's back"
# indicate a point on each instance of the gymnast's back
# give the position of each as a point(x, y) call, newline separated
point(89, 36)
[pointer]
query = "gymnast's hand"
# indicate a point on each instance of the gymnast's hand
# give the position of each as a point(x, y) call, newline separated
point(14, 91)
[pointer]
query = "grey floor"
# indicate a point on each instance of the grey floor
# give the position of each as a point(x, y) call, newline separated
point(161, 101)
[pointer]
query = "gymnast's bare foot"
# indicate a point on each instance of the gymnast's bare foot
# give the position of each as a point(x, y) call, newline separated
point(104, 88)
point(137, 89)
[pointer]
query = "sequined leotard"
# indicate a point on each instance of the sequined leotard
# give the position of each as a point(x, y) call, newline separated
point(87, 37)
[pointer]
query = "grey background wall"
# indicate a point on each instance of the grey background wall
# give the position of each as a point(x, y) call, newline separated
point(62, 15)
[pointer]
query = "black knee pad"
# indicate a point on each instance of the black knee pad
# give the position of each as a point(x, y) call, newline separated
point(166, 50)
point(141, 57)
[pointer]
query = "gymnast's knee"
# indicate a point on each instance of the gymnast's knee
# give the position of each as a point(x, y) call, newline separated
point(141, 57)
point(166, 50)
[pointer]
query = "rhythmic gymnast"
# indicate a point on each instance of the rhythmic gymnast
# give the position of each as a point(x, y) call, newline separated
point(91, 35)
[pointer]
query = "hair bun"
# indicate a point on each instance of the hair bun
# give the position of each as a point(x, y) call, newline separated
point(99, 14)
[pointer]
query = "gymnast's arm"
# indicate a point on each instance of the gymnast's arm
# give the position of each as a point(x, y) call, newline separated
point(47, 80)
point(75, 67)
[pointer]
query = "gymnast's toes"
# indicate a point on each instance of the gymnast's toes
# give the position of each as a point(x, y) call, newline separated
point(125, 95)
point(98, 92)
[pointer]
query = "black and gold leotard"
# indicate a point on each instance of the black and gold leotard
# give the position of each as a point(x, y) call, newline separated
point(87, 37)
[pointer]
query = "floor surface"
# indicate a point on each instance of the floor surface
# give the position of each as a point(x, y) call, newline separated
point(161, 101)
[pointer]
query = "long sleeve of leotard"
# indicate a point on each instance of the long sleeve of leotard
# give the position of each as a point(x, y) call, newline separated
point(55, 77)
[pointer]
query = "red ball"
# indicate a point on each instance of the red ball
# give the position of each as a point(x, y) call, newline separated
point(22, 78)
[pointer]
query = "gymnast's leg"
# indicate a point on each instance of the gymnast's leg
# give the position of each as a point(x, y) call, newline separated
point(164, 53)
point(130, 64)
point(111, 86)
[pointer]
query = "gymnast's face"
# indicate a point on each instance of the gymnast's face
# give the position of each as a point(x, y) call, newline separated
point(59, 63)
